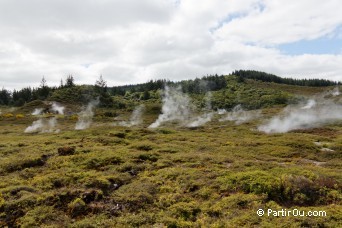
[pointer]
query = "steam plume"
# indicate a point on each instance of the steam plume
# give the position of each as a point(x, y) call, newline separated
point(310, 104)
point(221, 111)
point(298, 117)
point(85, 117)
point(176, 107)
point(37, 111)
point(135, 117)
point(239, 115)
point(201, 120)
point(206, 117)
point(57, 108)
point(336, 92)
point(43, 126)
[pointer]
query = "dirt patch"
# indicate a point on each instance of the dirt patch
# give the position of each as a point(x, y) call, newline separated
point(65, 151)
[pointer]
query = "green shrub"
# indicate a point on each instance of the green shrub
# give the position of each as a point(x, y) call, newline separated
point(301, 190)
point(25, 163)
point(136, 195)
point(40, 215)
point(77, 207)
point(148, 157)
point(186, 211)
point(288, 189)
point(98, 162)
point(143, 146)
point(2, 201)
point(257, 182)
point(99, 182)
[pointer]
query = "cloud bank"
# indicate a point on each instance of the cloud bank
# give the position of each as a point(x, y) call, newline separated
point(134, 41)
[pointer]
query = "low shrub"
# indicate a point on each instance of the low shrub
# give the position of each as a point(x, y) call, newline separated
point(147, 157)
point(19, 116)
point(287, 189)
point(136, 195)
point(143, 147)
point(96, 163)
point(40, 215)
point(186, 211)
point(77, 207)
point(25, 163)
point(8, 115)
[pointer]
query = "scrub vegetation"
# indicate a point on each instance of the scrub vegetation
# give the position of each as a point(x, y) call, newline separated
point(215, 175)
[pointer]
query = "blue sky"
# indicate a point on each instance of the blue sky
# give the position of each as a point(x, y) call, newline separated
point(322, 45)
point(318, 46)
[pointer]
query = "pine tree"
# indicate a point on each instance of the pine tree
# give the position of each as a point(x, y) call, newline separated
point(70, 81)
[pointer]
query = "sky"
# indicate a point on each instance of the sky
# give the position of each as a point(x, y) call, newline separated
point(133, 41)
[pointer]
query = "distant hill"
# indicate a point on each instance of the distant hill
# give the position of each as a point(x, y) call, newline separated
point(235, 89)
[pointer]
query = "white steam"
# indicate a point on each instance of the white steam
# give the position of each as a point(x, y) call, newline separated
point(310, 104)
point(37, 111)
point(239, 115)
point(298, 117)
point(136, 117)
point(221, 111)
point(85, 117)
point(336, 92)
point(57, 108)
point(206, 117)
point(176, 107)
point(43, 126)
point(201, 120)
point(207, 99)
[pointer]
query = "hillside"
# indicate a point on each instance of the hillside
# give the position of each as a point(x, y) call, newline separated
point(233, 83)
point(174, 158)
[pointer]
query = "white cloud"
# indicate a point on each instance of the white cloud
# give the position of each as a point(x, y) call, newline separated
point(284, 22)
point(133, 41)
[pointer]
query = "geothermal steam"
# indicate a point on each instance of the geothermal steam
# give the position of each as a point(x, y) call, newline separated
point(43, 126)
point(310, 104)
point(206, 116)
point(176, 107)
point(85, 117)
point(312, 114)
point(239, 115)
point(201, 120)
point(135, 117)
point(221, 111)
point(336, 92)
point(57, 108)
point(37, 111)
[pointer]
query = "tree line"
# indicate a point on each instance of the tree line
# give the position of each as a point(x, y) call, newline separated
point(265, 77)
point(44, 92)
point(68, 91)
point(197, 86)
